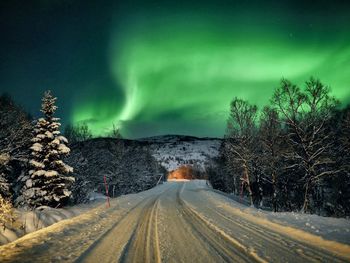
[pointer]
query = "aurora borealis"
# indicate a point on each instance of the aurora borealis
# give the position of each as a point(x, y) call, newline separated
point(168, 68)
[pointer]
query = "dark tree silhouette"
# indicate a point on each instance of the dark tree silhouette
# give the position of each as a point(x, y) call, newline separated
point(305, 115)
point(239, 139)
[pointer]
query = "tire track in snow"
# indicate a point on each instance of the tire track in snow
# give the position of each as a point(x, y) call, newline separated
point(179, 242)
point(228, 248)
point(143, 245)
point(283, 246)
point(114, 244)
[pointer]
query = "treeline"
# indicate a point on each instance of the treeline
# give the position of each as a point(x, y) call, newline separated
point(80, 132)
point(293, 155)
point(23, 144)
point(128, 166)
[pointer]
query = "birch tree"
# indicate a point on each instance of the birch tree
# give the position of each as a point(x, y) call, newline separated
point(270, 138)
point(239, 140)
point(305, 114)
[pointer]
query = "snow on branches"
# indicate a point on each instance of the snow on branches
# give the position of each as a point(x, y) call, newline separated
point(47, 182)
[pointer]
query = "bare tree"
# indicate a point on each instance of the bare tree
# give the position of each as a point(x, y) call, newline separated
point(270, 138)
point(239, 139)
point(15, 128)
point(77, 133)
point(7, 214)
point(115, 133)
point(345, 140)
point(305, 115)
point(15, 135)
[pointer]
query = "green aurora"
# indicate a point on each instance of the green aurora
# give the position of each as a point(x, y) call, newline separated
point(182, 71)
point(174, 68)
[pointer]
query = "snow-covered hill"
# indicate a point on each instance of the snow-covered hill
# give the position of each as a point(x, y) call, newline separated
point(173, 151)
point(134, 165)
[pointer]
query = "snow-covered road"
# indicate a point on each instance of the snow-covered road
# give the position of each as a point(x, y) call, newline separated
point(174, 222)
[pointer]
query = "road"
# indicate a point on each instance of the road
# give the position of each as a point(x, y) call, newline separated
point(175, 222)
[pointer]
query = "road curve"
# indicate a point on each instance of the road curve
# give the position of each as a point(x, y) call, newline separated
point(175, 222)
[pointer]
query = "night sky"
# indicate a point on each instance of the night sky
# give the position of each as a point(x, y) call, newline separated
point(167, 67)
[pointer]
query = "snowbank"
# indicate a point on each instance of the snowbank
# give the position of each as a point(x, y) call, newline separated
point(31, 221)
point(336, 229)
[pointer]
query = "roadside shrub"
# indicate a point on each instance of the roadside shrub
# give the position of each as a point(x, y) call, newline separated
point(6, 212)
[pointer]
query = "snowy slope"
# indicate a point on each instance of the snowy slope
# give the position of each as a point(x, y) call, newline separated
point(173, 151)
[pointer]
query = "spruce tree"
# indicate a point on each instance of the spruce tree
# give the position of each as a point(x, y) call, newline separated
point(48, 182)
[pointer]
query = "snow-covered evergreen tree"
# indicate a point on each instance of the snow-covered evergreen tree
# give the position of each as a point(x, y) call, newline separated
point(48, 182)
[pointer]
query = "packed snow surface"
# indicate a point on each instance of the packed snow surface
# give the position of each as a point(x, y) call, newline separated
point(184, 221)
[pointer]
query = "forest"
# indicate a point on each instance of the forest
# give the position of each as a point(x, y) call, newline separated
point(292, 155)
point(40, 167)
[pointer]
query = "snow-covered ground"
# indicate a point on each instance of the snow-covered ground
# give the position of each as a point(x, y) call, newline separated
point(330, 228)
point(184, 222)
point(31, 221)
point(174, 151)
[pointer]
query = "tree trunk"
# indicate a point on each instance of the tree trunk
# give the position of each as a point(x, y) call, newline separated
point(246, 177)
point(261, 194)
point(306, 197)
point(234, 186)
point(113, 190)
point(274, 187)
